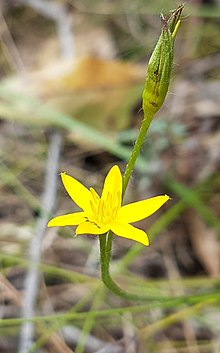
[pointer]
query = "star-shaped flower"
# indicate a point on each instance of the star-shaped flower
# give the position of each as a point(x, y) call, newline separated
point(101, 214)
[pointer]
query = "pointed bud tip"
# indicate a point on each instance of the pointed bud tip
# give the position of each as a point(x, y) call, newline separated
point(163, 19)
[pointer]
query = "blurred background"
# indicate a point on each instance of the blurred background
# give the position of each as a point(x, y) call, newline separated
point(72, 76)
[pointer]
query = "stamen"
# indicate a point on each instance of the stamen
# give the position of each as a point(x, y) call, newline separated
point(105, 210)
point(119, 198)
point(114, 211)
point(110, 198)
point(100, 207)
point(93, 207)
point(95, 196)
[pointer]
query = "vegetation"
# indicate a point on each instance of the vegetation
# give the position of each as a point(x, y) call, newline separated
point(72, 77)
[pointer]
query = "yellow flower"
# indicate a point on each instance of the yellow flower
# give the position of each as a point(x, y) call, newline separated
point(101, 214)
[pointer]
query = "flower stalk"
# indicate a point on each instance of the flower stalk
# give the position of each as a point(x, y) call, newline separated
point(155, 90)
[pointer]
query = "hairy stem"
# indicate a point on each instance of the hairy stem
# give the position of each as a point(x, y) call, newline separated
point(136, 151)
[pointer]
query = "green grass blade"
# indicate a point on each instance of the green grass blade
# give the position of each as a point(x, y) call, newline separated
point(192, 198)
point(16, 105)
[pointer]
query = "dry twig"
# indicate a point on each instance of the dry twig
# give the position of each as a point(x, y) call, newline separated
point(32, 279)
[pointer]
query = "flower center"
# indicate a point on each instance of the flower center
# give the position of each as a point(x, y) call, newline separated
point(105, 210)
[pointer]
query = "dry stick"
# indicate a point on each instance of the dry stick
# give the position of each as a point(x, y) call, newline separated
point(32, 279)
point(59, 14)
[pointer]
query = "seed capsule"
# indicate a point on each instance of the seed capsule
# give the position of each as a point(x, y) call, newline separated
point(160, 65)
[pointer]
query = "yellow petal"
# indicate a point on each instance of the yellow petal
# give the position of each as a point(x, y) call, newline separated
point(71, 219)
point(130, 232)
point(90, 228)
point(78, 192)
point(113, 185)
point(136, 211)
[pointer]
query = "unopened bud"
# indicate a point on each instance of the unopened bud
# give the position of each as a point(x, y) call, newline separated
point(160, 65)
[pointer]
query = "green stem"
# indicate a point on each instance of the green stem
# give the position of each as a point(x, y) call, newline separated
point(106, 239)
point(136, 150)
point(105, 256)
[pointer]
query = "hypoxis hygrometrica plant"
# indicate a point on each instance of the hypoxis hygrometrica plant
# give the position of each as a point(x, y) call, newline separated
point(104, 215)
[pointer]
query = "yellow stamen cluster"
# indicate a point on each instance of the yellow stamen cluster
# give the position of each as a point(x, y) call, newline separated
point(105, 209)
